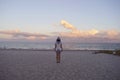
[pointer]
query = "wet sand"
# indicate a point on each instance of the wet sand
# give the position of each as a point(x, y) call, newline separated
point(41, 65)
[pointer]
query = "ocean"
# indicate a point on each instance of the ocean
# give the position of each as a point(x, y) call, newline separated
point(66, 46)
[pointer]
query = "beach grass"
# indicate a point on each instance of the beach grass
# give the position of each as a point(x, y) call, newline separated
point(115, 52)
point(118, 52)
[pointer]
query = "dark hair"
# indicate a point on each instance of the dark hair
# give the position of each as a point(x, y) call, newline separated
point(58, 39)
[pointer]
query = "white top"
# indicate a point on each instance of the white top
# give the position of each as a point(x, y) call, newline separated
point(58, 46)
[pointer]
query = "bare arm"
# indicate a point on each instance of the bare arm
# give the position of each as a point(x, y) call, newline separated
point(55, 47)
point(61, 47)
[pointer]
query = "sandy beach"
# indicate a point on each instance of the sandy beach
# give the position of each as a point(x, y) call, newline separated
point(41, 65)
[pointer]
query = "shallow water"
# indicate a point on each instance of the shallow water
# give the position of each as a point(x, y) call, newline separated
point(66, 46)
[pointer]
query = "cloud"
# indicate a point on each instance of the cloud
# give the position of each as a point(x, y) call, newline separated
point(112, 34)
point(93, 34)
point(25, 35)
point(67, 25)
point(75, 32)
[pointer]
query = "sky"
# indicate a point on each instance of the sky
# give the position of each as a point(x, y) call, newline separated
point(78, 20)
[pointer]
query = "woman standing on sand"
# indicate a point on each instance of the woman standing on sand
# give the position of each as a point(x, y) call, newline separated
point(58, 49)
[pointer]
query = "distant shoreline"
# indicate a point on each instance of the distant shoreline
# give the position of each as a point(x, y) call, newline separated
point(66, 46)
point(48, 49)
point(114, 52)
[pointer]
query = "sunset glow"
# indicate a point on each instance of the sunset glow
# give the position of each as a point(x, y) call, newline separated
point(45, 20)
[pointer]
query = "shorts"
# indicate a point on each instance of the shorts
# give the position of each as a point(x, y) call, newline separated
point(58, 51)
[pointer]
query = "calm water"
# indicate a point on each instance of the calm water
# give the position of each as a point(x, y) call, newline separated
point(67, 46)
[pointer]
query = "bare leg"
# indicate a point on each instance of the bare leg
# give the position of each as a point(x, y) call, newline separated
point(58, 57)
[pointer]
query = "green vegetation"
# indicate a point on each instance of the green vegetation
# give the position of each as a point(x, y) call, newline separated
point(115, 52)
point(118, 52)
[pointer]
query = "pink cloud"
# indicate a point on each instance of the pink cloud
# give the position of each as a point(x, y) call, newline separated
point(23, 35)
point(91, 35)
